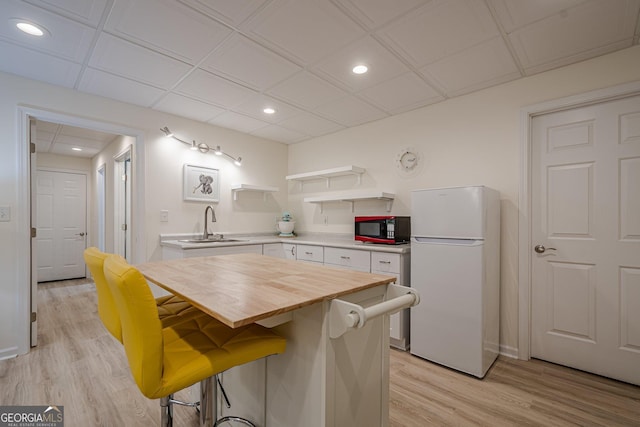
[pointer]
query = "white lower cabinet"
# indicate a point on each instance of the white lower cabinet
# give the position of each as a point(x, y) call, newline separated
point(348, 258)
point(309, 253)
point(395, 265)
point(280, 250)
point(391, 264)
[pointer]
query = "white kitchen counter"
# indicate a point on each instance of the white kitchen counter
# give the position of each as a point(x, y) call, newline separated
point(313, 239)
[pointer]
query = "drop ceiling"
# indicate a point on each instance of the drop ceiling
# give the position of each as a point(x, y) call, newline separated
point(223, 61)
point(73, 141)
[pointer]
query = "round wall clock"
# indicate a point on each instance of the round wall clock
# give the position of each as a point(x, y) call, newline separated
point(408, 161)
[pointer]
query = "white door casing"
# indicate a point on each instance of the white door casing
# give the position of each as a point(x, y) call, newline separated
point(585, 203)
point(122, 204)
point(61, 224)
point(33, 248)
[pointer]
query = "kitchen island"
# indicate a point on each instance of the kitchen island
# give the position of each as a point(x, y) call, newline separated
point(329, 375)
point(331, 249)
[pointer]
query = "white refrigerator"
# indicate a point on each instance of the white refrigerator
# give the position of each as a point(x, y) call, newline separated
point(455, 265)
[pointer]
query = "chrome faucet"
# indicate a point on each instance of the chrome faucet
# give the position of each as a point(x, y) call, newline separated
point(205, 235)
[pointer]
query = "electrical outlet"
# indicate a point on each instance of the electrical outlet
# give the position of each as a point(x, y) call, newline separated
point(164, 216)
point(5, 214)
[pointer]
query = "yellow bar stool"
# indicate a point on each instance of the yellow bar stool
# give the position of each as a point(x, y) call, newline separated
point(170, 308)
point(166, 360)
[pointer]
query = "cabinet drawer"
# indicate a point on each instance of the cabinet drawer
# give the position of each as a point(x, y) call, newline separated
point(385, 262)
point(309, 253)
point(348, 258)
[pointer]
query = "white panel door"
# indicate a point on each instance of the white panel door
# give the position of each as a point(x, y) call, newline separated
point(586, 213)
point(61, 225)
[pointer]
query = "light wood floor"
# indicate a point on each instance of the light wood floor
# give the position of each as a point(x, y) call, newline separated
point(79, 365)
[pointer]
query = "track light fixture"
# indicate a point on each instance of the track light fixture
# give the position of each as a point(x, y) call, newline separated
point(202, 147)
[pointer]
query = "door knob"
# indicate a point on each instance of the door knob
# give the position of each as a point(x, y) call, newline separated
point(80, 234)
point(541, 249)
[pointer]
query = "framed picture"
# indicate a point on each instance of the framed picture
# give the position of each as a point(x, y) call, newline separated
point(201, 184)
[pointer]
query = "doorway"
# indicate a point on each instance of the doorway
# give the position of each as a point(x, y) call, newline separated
point(27, 271)
point(580, 240)
point(122, 204)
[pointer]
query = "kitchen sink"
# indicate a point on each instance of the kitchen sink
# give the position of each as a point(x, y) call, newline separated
point(223, 240)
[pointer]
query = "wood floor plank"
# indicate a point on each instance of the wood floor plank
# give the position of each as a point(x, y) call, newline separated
point(79, 365)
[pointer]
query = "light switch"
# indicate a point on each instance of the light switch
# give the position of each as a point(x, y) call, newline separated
point(164, 216)
point(5, 213)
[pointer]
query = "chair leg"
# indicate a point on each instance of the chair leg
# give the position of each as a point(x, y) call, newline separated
point(166, 411)
point(208, 402)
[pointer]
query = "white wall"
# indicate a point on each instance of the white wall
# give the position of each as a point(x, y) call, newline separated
point(474, 139)
point(264, 162)
point(469, 140)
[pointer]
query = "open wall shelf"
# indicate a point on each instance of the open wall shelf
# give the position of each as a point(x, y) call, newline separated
point(352, 196)
point(327, 174)
point(236, 188)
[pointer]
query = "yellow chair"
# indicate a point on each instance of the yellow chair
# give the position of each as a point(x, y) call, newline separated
point(170, 308)
point(166, 360)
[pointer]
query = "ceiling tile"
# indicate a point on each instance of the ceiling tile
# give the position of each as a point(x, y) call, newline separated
point(64, 149)
point(65, 38)
point(86, 11)
point(382, 64)
point(487, 64)
point(307, 91)
point(402, 93)
point(281, 134)
point(130, 60)
point(74, 134)
point(232, 12)
point(350, 111)
point(306, 30)
point(375, 13)
point(309, 124)
point(212, 89)
point(187, 107)
point(168, 27)
point(254, 105)
point(115, 87)
point(246, 62)
point(439, 29)
point(578, 31)
point(518, 13)
point(238, 122)
point(38, 66)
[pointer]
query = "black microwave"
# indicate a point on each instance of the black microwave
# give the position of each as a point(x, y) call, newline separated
point(390, 230)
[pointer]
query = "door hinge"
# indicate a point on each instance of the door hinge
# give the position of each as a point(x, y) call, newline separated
point(123, 227)
point(33, 148)
point(124, 178)
point(34, 316)
point(33, 232)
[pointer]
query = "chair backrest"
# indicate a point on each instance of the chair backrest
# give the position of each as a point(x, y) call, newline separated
point(141, 327)
point(107, 310)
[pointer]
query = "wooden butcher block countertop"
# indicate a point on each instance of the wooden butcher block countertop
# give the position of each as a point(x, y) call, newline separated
point(240, 289)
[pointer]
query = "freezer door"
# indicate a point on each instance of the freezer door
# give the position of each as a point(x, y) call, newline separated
point(448, 212)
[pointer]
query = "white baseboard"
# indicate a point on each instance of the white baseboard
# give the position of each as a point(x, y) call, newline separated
point(8, 353)
point(507, 351)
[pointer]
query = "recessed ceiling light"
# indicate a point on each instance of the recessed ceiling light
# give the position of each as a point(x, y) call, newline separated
point(30, 28)
point(360, 69)
point(76, 149)
point(269, 110)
